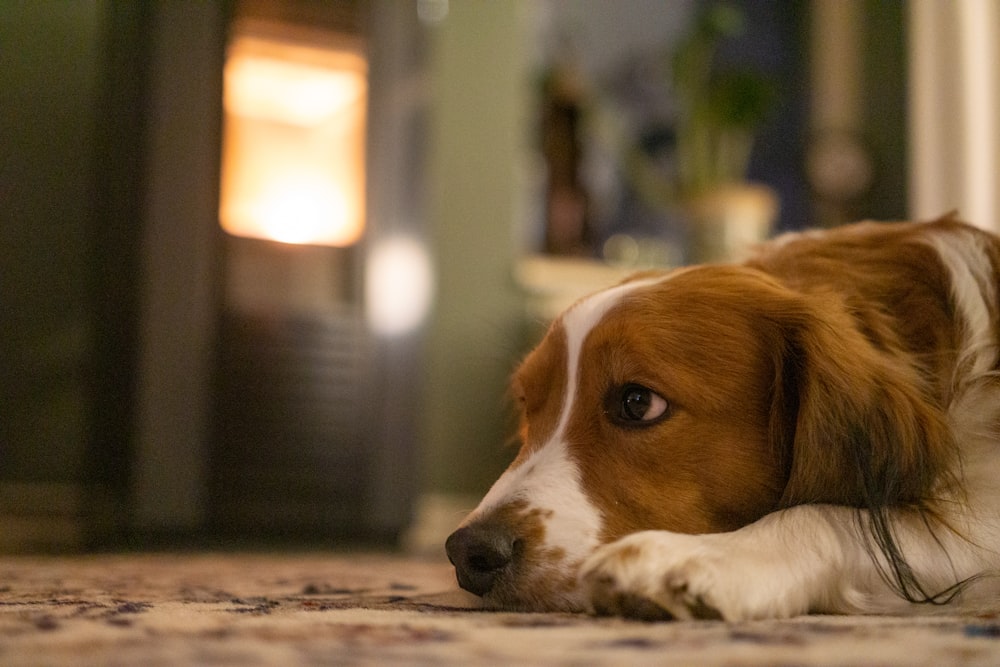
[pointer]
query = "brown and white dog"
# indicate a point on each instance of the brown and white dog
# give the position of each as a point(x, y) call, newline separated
point(815, 430)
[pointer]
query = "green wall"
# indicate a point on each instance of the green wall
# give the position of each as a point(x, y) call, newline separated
point(49, 86)
point(479, 129)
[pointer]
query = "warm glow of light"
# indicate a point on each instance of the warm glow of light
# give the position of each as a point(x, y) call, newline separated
point(399, 286)
point(294, 143)
point(297, 93)
point(305, 198)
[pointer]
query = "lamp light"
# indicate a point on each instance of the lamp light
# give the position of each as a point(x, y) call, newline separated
point(293, 154)
point(399, 286)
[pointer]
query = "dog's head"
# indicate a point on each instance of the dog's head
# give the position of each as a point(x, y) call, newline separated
point(694, 401)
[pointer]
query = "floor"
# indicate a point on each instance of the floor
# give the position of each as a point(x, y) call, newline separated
point(377, 609)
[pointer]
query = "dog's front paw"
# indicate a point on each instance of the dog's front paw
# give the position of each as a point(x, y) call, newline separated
point(658, 575)
point(651, 576)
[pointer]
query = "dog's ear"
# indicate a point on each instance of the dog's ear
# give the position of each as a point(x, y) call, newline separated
point(852, 421)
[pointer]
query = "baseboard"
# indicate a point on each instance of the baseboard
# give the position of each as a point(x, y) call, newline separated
point(40, 517)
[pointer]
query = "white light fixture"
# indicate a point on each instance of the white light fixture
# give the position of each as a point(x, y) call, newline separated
point(293, 157)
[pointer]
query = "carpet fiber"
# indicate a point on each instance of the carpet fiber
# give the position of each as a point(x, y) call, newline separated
point(345, 609)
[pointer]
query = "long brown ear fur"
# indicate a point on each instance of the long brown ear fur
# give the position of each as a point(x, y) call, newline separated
point(857, 425)
point(856, 421)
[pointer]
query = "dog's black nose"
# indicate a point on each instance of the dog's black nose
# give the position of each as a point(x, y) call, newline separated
point(480, 553)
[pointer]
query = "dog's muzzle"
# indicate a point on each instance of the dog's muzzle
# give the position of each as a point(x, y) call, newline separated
point(482, 553)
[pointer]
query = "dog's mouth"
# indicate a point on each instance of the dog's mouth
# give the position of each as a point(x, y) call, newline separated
point(544, 593)
point(551, 589)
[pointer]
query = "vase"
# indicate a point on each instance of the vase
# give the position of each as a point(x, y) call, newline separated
point(725, 223)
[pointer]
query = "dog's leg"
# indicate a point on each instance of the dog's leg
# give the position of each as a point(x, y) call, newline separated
point(804, 559)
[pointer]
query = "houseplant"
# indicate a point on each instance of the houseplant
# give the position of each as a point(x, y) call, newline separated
point(719, 111)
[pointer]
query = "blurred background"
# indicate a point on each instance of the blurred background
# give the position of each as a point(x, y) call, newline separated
point(266, 265)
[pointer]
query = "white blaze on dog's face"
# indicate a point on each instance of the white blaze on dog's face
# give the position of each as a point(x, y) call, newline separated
point(634, 417)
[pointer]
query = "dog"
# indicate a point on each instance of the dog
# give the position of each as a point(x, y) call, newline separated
point(816, 429)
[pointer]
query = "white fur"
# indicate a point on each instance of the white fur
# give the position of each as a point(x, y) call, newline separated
point(550, 482)
point(974, 287)
point(804, 559)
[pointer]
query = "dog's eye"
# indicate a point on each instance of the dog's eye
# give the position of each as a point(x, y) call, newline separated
point(638, 404)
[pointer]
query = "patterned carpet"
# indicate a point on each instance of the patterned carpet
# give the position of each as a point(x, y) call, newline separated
point(365, 609)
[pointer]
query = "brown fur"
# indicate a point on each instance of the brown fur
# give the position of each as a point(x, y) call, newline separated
point(807, 383)
point(709, 467)
point(819, 372)
point(540, 407)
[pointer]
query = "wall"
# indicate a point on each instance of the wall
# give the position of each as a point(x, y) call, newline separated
point(50, 91)
point(99, 166)
point(50, 95)
point(479, 85)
